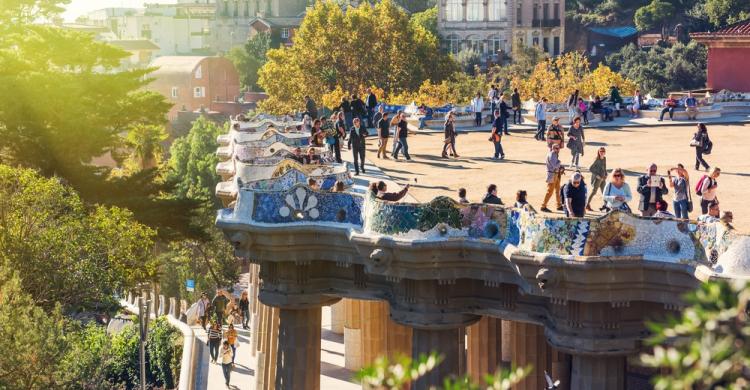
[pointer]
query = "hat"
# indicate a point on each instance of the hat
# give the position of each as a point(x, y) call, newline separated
point(577, 176)
point(555, 118)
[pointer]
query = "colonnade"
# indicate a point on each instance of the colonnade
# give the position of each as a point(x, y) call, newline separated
point(287, 341)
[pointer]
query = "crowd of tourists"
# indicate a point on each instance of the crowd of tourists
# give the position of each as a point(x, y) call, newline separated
point(213, 314)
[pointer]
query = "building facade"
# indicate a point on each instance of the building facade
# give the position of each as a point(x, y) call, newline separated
point(728, 52)
point(192, 83)
point(494, 27)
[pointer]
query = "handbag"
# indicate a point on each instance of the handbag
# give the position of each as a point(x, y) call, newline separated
point(690, 196)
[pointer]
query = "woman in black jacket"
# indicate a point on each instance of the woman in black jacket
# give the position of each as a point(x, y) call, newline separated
point(450, 136)
point(701, 143)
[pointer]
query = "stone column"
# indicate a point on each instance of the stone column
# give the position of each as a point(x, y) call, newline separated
point(298, 361)
point(337, 317)
point(484, 347)
point(530, 348)
point(560, 368)
point(445, 342)
point(506, 351)
point(352, 335)
point(373, 315)
point(397, 339)
point(598, 372)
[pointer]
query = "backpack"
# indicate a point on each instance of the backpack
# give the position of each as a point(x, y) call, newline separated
point(707, 146)
point(699, 186)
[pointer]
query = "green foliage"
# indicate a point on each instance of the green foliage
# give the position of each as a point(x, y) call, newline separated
point(363, 46)
point(427, 19)
point(416, 6)
point(723, 12)
point(654, 15)
point(145, 145)
point(402, 370)
point(65, 253)
point(86, 361)
point(250, 58)
point(164, 353)
point(708, 346)
point(521, 66)
point(468, 59)
point(662, 69)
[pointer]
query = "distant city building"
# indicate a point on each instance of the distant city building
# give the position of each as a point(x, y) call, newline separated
point(192, 83)
point(602, 41)
point(141, 52)
point(728, 53)
point(492, 27)
point(238, 20)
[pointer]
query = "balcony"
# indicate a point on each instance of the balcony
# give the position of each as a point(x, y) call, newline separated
point(546, 23)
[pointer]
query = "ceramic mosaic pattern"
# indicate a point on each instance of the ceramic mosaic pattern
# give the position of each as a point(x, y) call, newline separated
point(559, 236)
point(662, 239)
point(712, 240)
point(293, 177)
point(300, 204)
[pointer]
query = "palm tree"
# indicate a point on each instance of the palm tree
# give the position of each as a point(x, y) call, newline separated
point(145, 143)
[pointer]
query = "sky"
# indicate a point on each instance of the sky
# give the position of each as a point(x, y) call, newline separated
point(77, 8)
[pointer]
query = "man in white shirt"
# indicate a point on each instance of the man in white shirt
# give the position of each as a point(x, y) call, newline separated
point(477, 105)
point(540, 114)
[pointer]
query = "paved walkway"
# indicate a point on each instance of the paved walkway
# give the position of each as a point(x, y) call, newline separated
point(333, 374)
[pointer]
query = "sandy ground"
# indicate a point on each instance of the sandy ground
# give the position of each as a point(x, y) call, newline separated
point(631, 148)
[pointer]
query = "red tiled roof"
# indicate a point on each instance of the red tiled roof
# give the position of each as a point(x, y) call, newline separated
point(740, 28)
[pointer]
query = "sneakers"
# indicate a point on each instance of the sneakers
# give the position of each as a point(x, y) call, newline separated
point(546, 210)
point(560, 208)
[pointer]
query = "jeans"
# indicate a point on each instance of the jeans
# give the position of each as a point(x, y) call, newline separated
point(478, 118)
point(402, 145)
point(358, 153)
point(540, 126)
point(498, 149)
point(699, 158)
point(227, 369)
point(574, 160)
point(245, 318)
point(670, 110)
point(370, 114)
point(423, 121)
point(572, 113)
point(504, 124)
point(585, 116)
point(234, 352)
point(450, 146)
point(213, 348)
point(517, 114)
point(349, 120)
point(220, 317)
point(680, 208)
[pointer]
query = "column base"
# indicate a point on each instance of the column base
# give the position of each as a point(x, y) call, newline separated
point(445, 343)
point(298, 359)
point(598, 372)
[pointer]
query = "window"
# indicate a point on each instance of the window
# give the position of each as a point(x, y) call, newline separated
point(474, 10)
point(536, 12)
point(556, 11)
point(454, 10)
point(454, 44)
point(545, 11)
point(199, 92)
point(174, 92)
point(535, 42)
point(284, 33)
point(496, 44)
point(519, 15)
point(545, 44)
point(497, 9)
point(475, 44)
point(198, 72)
point(556, 46)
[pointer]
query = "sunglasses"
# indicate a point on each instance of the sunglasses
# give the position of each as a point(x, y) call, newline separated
point(617, 175)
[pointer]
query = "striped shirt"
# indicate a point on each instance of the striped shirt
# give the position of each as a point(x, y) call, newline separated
point(214, 334)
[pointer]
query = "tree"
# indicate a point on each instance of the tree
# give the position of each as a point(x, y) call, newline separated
point(656, 14)
point(427, 19)
point(662, 69)
point(468, 59)
point(328, 52)
point(65, 253)
point(145, 144)
point(416, 6)
point(250, 58)
point(708, 345)
point(723, 12)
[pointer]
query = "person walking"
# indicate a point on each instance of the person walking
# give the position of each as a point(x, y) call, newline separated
point(576, 141)
point(554, 173)
point(652, 188)
point(226, 361)
point(402, 130)
point(503, 107)
point(617, 192)
point(496, 136)
point(371, 103)
point(359, 109)
point(583, 110)
point(219, 303)
point(707, 187)
point(491, 196)
point(702, 144)
point(357, 136)
point(555, 133)
point(572, 105)
point(378, 115)
point(540, 114)
point(574, 194)
point(245, 309)
point(449, 143)
point(339, 126)
point(394, 128)
point(492, 97)
point(515, 103)
point(598, 171)
point(477, 105)
point(231, 336)
point(383, 134)
point(669, 106)
point(214, 341)
point(204, 307)
point(680, 184)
